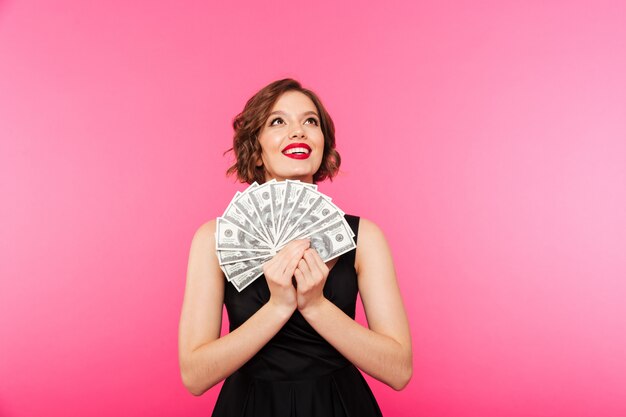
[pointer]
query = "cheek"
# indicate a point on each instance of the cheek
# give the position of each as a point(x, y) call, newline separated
point(322, 147)
point(264, 151)
point(265, 158)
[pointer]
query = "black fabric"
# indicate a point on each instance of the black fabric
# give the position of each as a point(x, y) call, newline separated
point(297, 373)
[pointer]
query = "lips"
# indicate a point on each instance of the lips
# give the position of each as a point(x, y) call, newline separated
point(297, 151)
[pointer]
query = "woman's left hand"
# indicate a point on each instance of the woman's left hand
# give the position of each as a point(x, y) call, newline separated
point(310, 274)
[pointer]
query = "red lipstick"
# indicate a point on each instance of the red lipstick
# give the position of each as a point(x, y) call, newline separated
point(297, 151)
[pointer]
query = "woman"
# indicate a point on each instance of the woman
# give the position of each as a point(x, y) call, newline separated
point(293, 343)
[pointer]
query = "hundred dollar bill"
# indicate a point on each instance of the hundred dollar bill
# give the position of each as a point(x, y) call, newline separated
point(241, 281)
point(305, 201)
point(233, 270)
point(277, 193)
point(230, 237)
point(321, 224)
point(322, 209)
point(247, 208)
point(232, 256)
point(332, 241)
point(235, 215)
point(262, 201)
point(292, 191)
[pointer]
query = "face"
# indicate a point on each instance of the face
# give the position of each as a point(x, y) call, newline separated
point(292, 142)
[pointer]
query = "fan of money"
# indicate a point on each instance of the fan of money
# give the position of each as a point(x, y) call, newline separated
point(264, 218)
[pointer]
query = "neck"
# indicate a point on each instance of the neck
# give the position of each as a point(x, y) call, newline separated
point(306, 178)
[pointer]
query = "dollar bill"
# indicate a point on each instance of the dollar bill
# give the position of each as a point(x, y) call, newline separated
point(277, 193)
point(332, 241)
point(306, 199)
point(235, 215)
point(261, 199)
point(230, 237)
point(246, 207)
point(264, 218)
point(241, 281)
point(233, 270)
point(291, 193)
point(232, 256)
point(321, 209)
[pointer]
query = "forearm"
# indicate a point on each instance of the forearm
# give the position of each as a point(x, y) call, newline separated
point(378, 355)
point(212, 362)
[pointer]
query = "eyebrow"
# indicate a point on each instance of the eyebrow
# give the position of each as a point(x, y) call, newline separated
point(303, 114)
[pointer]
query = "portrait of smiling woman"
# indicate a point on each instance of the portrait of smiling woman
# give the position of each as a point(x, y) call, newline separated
point(294, 348)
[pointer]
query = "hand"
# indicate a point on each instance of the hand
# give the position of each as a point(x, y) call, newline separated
point(310, 275)
point(279, 273)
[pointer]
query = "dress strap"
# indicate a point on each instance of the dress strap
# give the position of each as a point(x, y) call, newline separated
point(353, 221)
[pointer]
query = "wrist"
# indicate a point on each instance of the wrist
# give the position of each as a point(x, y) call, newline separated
point(282, 309)
point(313, 308)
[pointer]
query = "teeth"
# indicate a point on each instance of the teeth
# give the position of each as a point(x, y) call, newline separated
point(296, 150)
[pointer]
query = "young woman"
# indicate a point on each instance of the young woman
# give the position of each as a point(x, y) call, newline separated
point(294, 346)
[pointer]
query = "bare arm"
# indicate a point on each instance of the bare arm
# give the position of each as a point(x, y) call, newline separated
point(382, 351)
point(204, 358)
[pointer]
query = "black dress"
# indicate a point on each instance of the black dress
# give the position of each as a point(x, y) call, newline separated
point(297, 373)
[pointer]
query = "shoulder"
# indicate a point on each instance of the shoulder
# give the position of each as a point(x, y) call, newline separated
point(204, 236)
point(372, 245)
point(206, 229)
point(369, 229)
point(365, 227)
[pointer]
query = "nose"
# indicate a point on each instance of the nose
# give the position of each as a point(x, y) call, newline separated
point(297, 133)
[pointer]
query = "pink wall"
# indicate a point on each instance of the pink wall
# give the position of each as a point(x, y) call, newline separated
point(487, 139)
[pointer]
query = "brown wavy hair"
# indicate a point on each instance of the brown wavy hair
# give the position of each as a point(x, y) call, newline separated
point(248, 124)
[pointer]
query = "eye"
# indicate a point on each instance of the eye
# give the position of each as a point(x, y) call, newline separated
point(315, 122)
point(273, 120)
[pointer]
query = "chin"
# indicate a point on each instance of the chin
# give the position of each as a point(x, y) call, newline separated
point(299, 173)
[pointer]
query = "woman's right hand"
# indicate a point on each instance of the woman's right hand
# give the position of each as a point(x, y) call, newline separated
point(279, 272)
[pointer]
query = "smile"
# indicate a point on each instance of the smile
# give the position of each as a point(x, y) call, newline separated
point(297, 151)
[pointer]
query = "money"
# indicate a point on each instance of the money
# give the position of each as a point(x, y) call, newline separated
point(265, 217)
point(332, 241)
point(230, 237)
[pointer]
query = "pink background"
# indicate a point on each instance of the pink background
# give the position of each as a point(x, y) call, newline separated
point(487, 139)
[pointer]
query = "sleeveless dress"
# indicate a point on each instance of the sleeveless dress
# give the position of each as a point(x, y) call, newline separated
point(297, 373)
